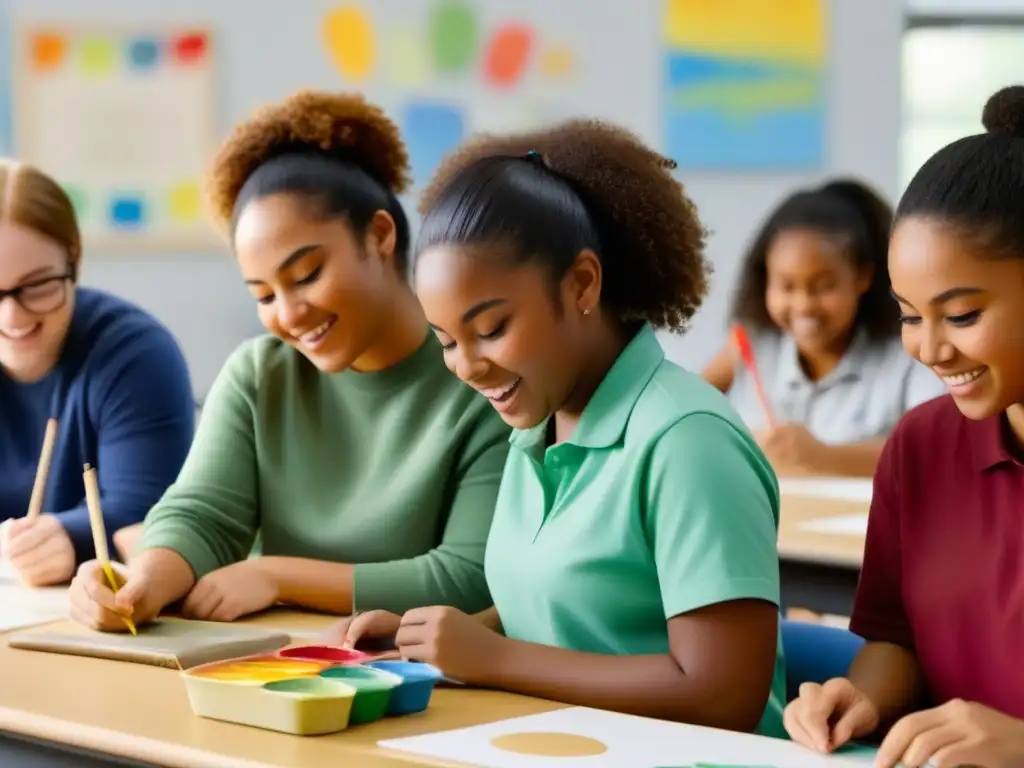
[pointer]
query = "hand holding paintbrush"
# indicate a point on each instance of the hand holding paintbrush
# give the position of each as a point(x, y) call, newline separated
point(99, 533)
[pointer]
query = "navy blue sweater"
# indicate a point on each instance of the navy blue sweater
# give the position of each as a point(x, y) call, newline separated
point(122, 395)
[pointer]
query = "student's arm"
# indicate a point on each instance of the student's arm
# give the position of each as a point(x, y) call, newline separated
point(721, 371)
point(450, 574)
point(144, 415)
point(886, 670)
point(210, 516)
point(711, 525)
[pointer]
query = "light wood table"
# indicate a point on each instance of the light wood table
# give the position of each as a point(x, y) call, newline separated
point(142, 714)
point(819, 571)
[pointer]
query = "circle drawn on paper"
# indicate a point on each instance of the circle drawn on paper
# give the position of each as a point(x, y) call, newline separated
point(549, 744)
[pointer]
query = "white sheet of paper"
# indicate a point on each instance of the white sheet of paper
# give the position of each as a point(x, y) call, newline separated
point(838, 488)
point(842, 525)
point(631, 741)
point(22, 606)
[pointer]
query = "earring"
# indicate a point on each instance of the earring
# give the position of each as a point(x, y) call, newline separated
point(586, 311)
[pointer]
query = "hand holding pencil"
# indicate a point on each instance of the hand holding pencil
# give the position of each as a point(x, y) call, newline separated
point(37, 546)
point(99, 536)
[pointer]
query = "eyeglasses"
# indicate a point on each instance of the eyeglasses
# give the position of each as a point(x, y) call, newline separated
point(41, 296)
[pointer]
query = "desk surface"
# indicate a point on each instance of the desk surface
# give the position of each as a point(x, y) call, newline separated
point(86, 703)
point(797, 543)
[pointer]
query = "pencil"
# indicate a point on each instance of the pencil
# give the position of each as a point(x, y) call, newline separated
point(746, 351)
point(99, 532)
point(35, 503)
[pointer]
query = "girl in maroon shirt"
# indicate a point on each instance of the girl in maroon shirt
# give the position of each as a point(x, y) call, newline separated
point(941, 598)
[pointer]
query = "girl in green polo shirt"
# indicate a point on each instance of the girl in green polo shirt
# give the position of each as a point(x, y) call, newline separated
point(338, 446)
point(632, 558)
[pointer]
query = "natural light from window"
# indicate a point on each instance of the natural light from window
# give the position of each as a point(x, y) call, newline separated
point(948, 73)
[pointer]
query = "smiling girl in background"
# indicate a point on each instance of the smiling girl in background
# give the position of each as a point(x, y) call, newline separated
point(339, 444)
point(814, 298)
point(111, 374)
point(632, 559)
point(941, 595)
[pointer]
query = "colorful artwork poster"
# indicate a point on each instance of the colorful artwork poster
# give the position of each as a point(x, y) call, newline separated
point(142, 103)
point(744, 84)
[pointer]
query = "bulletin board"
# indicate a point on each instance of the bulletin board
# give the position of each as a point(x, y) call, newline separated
point(125, 120)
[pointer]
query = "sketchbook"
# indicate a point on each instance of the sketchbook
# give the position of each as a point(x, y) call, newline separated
point(22, 606)
point(592, 738)
point(173, 643)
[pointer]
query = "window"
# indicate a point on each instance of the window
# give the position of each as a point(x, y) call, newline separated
point(949, 71)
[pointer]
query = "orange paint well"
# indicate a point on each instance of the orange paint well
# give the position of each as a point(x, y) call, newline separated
point(259, 670)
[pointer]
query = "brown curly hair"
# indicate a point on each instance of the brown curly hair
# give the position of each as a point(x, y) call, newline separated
point(580, 184)
point(338, 126)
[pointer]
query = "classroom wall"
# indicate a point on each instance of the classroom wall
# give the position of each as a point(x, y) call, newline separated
point(269, 49)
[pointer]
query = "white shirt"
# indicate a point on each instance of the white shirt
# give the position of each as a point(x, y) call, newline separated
point(862, 398)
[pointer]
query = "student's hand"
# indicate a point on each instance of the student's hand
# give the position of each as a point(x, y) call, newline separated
point(231, 592)
point(94, 604)
point(791, 449)
point(374, 630)
point(458, 644)
point(824, 717)
point(125, 541)
point(957, 733)
point(39, 550)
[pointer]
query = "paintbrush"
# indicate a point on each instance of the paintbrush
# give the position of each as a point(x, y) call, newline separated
point(99, 533)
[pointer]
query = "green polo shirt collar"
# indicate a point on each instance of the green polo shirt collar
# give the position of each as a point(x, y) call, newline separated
point(604, 419)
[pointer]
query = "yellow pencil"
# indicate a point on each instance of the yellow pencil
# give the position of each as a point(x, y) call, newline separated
point(35, 503)
point(99, 532)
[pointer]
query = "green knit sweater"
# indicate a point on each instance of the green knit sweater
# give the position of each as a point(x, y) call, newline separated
point(395, 471)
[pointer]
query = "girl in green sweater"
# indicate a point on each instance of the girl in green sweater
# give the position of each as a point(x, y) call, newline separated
point(337, 448)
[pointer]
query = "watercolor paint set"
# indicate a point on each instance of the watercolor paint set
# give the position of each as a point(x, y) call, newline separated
point(309, 690)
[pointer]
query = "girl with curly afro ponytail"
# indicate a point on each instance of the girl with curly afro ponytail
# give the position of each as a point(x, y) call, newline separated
point(337, 447)
point(632, 559)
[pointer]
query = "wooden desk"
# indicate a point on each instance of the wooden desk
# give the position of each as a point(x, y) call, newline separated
point(819, 571)
point(88, 704)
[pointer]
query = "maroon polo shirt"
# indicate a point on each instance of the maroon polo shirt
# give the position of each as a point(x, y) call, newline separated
point(943, 568)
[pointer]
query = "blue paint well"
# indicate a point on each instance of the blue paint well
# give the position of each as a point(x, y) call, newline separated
point(418, 681)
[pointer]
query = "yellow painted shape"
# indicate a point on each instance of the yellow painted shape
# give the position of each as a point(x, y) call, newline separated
point(349, 39)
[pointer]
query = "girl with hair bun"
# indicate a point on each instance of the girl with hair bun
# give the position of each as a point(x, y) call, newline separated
point(632, 557)
point(338, 444)
point(941, 596)
point(813, 296)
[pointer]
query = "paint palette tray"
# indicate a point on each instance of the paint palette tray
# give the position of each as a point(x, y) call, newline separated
point(309, 690)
